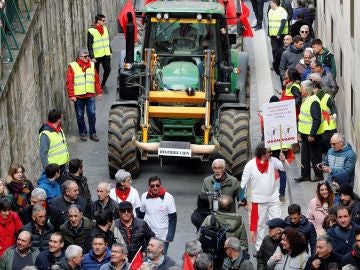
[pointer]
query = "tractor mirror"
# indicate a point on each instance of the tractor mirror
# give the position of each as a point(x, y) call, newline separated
point(232, 39)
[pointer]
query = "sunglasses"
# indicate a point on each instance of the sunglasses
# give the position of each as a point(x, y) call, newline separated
point(157, 185)
point(85, 56)
point(304, 32)
point(126, 211)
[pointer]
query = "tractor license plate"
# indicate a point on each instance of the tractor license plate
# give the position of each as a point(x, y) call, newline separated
point(175, 152)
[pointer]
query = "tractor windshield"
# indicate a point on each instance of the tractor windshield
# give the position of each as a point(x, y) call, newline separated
point(182, 36)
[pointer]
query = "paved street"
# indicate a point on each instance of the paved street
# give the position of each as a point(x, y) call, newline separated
point(183, 178)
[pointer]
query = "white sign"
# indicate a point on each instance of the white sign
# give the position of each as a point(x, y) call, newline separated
point(280, 117)
point(175, 152)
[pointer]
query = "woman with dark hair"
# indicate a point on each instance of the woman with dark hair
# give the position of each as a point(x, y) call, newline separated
point(202, 210)
point(319, 206)
point(292, 252)
point(291, 83)
point(19, 186)
point(10, 225)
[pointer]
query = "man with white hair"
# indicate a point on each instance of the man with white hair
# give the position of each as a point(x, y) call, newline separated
point(305, 34)
point(221, 182)
point(309, 127)
point(54, 216)
point(192, 250)
point(156, 256)
point(235, 258)
point(104, 201)
point(73, 258)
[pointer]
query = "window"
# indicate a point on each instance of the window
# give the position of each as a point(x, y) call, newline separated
point(352, 106)
point(341, 62)
point(352, 21)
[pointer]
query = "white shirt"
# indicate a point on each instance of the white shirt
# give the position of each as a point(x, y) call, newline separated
point(264, 186)
point(133, 197)
point(156, 213)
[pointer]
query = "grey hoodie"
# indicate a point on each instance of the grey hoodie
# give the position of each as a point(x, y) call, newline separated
point(290, 57)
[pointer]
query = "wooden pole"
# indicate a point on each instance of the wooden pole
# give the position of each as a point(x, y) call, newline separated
point(281, 145)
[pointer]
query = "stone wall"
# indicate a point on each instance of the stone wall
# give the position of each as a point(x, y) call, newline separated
point(37, 81)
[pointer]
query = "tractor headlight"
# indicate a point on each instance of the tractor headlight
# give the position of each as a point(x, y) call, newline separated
point(198, 16)
point(158, 16)
point(166, 16)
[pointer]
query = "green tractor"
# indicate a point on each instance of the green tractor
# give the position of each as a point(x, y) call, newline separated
point(182, 92)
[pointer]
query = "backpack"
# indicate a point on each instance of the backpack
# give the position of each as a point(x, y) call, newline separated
point(212, 238)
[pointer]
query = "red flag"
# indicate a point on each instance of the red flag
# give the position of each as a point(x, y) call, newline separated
point(187, 263)
point(290, 156)
point(326, 116)
point(123, 20)
point(230, 11)
point(247, 32)
point(136, 261)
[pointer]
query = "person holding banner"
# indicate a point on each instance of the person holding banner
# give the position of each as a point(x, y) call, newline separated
point(264, 190)
point(310, 129)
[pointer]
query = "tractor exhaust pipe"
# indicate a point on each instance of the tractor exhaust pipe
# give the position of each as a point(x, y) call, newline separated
point(195, 148)
point(130, 37)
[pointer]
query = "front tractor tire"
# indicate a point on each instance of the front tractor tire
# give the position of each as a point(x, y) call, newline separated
point(233, 138)
point(122, 153)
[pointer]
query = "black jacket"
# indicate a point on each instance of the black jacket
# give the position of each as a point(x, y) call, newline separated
point(141, 234)
point(333, 258)
point(307, 229)
point(350, 258)
point(54, 216)
point(109, 235)
point(81, 237)
point(198, 217)
point(81, 181)
point(39, 240)
point(266, 250)
point(341, 245)
point(111, 206)
point(63, 265)
point(63, 205)
point(45, 260)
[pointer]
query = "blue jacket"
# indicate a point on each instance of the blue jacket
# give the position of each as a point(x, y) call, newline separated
point(89, 261)
point(307, 229)
point(342, 164)
point(51, 188)
point(45, 260)
point(341, 244)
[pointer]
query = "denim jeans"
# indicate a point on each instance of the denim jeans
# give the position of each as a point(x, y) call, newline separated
point(282, 188)
point(80, 105)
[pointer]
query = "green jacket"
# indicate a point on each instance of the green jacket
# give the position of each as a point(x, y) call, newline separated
point(236, 226)
point(230, 186)
point(6, 260)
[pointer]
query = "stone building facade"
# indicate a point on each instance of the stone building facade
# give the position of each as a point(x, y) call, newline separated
point(338, 26)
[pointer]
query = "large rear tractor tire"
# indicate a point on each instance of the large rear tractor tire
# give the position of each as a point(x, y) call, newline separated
point(234, 140)
point(122, 153)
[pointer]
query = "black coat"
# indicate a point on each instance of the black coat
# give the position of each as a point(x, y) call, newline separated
point(266, 250)
point(141, 234)
point(63, 205)
point(39, 240)
point(45, 260)
point(349, 258)
point(333, 258)
point(198, 217)
point(54, 216)
point(307, 229)
point(111, 206)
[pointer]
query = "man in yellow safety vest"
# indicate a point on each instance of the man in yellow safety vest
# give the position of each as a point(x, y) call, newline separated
point(83, 85)
point(53, 147)
point(98, 43)
point(310, 129)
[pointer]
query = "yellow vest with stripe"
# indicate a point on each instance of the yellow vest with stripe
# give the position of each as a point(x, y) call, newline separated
point(324, 108)
point(101, 43)
point(275, 17)
point(305, 119)
point(288, 89)
point(58, 152)
point(84, 82)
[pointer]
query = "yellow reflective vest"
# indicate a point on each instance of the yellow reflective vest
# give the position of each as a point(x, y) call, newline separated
point(58, 152)
point(101, 43)
point(305, 119)
point(84, 82)
point(331, 125)
point(275, 17)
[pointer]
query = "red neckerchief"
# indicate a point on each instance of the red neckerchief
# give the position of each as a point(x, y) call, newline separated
point(57, 129)
point(262, 167)
point(100, 28)
point(122, 194)
point(161, 193)
point(83, 65)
